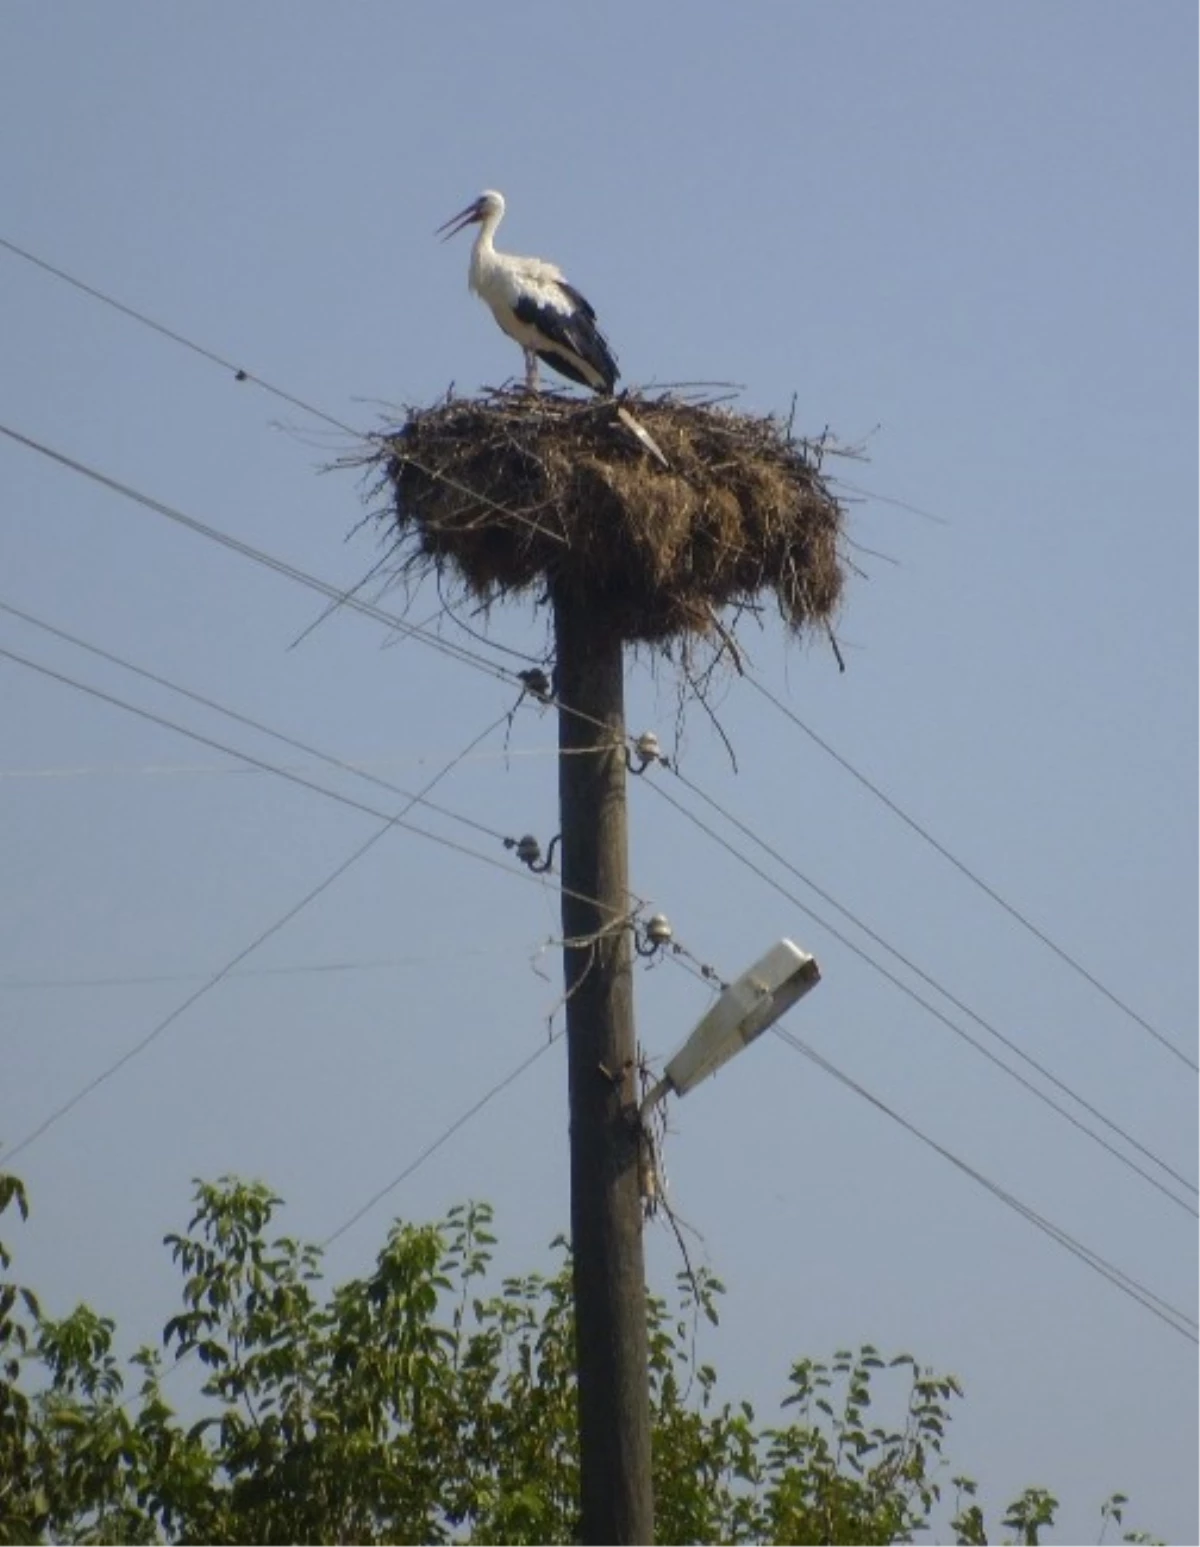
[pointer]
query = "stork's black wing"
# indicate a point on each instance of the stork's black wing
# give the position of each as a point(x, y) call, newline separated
point(573, 329)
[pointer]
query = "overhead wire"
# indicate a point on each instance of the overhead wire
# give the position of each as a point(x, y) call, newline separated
point(242, 374)
point(283, 772)
point(1178, 1320)
point(239, 372)
point(390, 821)
point(414, 1165)
point(112, 1068)
point(447, 1133)
point(160, 770)
point(258, 762)
point(971, 875)
point(888, 499)
point(154, 979)
point(336, 795)
point(259, 556)
point(455, 652)
point(933, 1010)
point(774, 853)
point(243, 719)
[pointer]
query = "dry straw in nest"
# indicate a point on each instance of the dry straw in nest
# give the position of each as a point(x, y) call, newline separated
point(552, 495)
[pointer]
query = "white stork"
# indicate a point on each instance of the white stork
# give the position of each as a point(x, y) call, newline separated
point(533, 303)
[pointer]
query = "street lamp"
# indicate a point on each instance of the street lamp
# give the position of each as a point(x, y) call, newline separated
point(744, 1011)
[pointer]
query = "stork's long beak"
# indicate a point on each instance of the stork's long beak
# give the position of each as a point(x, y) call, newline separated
point(459, 222)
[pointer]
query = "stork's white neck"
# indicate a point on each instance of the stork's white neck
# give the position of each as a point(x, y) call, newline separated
point(483, 253)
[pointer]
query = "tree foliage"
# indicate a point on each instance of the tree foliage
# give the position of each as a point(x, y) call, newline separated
point(418, 1404)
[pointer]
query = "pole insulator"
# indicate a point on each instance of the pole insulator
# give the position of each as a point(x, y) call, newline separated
point(656, 933)
point(648, 751)
point(529, 850)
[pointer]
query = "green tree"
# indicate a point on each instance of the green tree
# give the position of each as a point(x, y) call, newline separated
point(418, 1404)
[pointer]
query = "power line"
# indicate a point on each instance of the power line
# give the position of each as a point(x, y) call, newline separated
point(269, 561)
point(263, 765)
point(458, 652)
point(389, 821)
point(933, 1010)
point(240, 373)
point(454, 652)
point(244, 719)
point(447, 1133)
point(151, 979)
point(940, 988)
point(260, 764)
point(413, 1166)
point(1179, 1321)
point(139, 1047)
point(472, 658)
point(320, 789)
point(362, 766)
point(1174, 1318)
point(888, 499)
point(971, 875)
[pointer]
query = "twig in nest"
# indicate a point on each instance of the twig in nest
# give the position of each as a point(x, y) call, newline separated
point(837, 653)
point(728, 642)
point(699, 691)
point(346, 596)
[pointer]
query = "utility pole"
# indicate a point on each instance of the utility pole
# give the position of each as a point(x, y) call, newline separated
point(606, 1215)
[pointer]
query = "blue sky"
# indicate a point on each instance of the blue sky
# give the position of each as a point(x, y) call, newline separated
point(962, 235)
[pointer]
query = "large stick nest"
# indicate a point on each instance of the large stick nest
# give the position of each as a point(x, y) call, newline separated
point(553, 495)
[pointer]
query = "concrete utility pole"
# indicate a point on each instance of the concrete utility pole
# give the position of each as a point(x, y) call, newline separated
point(606, 1215)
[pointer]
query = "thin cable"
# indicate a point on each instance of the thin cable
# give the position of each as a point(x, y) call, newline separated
point(414, 1165)
point(977, 880)
point(208, 770)
point(240, 373)
point(447, 1133)
point(244, 719)
point(261, 763)
point(258, 556)
point(933, 1010)
point(1174, 1318)
point(245, 550)
point(1179, 1321)
point(320, 789)
point(939, 988)
point(887, 499)
point(148, 979)
point(151, 1036)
